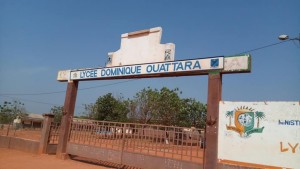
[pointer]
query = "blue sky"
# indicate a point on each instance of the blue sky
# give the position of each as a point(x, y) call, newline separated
point(39, 37)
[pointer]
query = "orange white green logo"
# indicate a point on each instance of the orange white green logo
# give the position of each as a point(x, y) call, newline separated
point(244, 121)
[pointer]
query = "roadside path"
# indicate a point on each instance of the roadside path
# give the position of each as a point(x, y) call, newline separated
point(13, 159)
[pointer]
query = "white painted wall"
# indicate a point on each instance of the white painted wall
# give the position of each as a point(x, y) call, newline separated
point(277, 145)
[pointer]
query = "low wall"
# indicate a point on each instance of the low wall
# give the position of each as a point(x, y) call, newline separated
point(25, 145)
point(144, 161)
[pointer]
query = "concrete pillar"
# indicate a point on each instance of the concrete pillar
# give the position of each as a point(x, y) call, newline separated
point(68, 113)
point(48, 118)
point(211, 130)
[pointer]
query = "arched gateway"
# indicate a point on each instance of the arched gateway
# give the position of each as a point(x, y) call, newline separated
point(142, 56)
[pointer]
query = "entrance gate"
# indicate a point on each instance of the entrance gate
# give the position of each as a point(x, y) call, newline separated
point(138, 145)
point(137, 55)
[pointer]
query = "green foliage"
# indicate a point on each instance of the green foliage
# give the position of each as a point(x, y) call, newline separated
point(192, 113)
point(166, 107)
point(230, 115)
point(10, 110)
point(162, 106)
point(58, 113)
point(90, 111)
point(109, 108)
point(259, 115)
point(144, 105)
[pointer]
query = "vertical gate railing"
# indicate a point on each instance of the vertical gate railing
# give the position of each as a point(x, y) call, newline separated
point(54, 133)
point(156, 140)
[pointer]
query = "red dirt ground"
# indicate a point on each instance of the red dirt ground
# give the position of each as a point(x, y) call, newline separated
point(13, 159)
point(28, 133)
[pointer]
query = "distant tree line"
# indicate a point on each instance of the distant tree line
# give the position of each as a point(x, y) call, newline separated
point(148, 106)
point(10, 110)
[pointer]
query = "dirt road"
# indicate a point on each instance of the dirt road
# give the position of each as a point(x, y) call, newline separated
point(13, 159)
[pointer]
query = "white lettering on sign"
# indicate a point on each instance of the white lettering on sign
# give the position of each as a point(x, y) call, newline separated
point(151, 68)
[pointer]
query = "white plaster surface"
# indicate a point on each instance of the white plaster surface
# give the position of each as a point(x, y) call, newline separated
point(236, 63)
point(142, 47)
point(63, 75)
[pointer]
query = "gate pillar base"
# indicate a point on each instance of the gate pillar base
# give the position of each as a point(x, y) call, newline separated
point(68, 112)
point(63, 156)
point(48, 119)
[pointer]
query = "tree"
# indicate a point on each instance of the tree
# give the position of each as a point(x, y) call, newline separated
point(168, 105)
point(162, 106)
point(131, 106)
point(58, 113)
point(142, 107)
point(230, 115)
point(10, 110)
point(192, 113)
point(90, 111)
point(109, 108)
point(165, 107)
point(259, 115)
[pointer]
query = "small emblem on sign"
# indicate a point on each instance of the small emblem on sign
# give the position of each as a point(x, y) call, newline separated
point(167, 54)
point(214, 63)
point(75, 75)
point(244, 118)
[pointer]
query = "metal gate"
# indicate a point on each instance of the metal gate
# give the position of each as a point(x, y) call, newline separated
point(137, 145)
